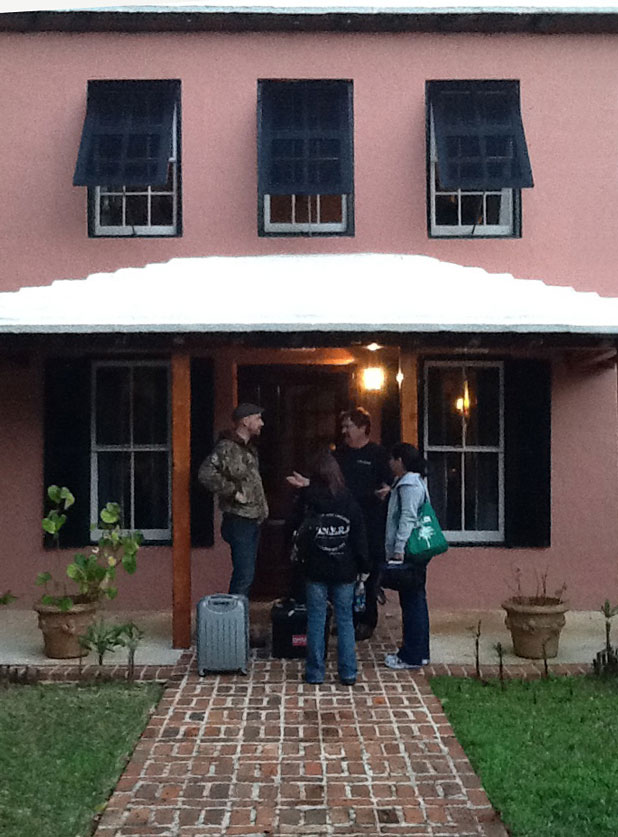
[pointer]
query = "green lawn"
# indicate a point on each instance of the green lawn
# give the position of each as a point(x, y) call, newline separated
point(62, 749)
point(545, 750)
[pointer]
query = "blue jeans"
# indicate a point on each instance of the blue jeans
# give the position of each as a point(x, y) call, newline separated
point(243, 536)
point(342, 597)
point(415, 621)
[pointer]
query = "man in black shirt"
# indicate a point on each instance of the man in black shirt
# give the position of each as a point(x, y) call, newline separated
point(367, 475)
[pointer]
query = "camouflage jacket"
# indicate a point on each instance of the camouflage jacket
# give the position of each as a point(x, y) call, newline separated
point(232, 472)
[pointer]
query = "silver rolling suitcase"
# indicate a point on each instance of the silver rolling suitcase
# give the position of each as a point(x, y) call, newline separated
point(222, 633)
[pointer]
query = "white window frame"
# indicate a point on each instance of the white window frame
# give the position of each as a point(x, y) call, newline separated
point(464, 536)
point(140, 230)
point(95, 449)
point(505, 229)
point(306, 226)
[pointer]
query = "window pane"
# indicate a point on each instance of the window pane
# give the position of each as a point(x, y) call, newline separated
point(472, 209)
point(331, 209)
point(111, 210)
point(150, 411)
point(114, 482)
point(137, 210)
point(162, 210)
point(305, 209)
point(493, 203)
point(483, 426)
point(112, 405)
point(445, 386)
point(445, 488)
point(281, 209)
point(446, 210)
point(481, 491)
point(151, 491)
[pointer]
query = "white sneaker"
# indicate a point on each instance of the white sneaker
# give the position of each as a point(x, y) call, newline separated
point(394, 661)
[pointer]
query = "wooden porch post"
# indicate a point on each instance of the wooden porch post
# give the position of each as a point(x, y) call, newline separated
point(408, 364)
point(181, 508)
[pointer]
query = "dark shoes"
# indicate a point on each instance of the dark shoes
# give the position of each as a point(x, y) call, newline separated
point(347, 681)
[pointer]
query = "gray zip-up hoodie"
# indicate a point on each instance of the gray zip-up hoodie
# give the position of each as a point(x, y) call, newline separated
point(407, 496)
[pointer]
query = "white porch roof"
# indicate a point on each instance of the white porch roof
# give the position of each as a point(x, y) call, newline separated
point(363, 292)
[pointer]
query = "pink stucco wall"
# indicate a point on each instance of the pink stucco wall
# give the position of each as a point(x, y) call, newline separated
point(570, 113)
point(584, 503)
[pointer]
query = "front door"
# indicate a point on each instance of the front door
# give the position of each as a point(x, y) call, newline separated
point(301, 412)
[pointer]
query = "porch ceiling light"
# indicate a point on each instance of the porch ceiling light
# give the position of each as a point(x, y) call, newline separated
point(373, 347)
point(373, 378)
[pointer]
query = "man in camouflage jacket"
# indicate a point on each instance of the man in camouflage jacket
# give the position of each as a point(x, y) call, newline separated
point(232, 472)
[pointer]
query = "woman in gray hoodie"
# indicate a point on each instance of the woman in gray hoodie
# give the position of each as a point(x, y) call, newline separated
point(408, 493)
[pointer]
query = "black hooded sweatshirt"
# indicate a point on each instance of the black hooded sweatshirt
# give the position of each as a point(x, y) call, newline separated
point(337, 566)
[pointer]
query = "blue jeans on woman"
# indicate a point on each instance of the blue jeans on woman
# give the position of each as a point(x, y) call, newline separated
point(342, 598)
point(415, 620)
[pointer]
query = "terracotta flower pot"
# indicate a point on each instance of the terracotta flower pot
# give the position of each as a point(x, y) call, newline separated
point(62, 629)
point(535, 624)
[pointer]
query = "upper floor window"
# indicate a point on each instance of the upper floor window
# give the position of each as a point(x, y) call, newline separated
point(129, 157)
point(305, 157)
point(478, 159)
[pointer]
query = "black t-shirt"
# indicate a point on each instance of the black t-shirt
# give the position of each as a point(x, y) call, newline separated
point(364, 470)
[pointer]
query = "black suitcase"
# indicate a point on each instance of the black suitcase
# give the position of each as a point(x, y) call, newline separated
point(289, 629)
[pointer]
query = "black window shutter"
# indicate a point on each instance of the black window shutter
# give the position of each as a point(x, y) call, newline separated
point(202, 423)
point(479, 135)
point(67, 442)
point(527, 410)
point(127, 134)
point(305, 138)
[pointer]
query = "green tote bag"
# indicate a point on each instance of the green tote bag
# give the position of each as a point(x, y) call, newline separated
point(427, 538)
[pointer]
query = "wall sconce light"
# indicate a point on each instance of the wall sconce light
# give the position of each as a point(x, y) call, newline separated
point(373, 347)
point(373, 378)
point(462, 404)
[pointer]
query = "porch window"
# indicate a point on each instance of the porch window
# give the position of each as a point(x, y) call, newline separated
point(107, 436)
point(129, 158)
point(478, 160)
point(130, 449)
point(464, 445)
point(305, 157)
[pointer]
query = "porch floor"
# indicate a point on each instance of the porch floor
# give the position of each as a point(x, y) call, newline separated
point(452, 636)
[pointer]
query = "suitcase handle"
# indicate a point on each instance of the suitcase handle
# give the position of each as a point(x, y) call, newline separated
point(223, 601)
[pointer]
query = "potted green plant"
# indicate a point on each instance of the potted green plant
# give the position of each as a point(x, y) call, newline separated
point(535, 621)
point(65, 613)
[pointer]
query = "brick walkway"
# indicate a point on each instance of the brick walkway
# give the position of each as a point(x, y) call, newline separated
point(268, 754)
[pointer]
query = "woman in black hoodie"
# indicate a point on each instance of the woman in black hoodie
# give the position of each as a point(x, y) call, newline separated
point(332, 546)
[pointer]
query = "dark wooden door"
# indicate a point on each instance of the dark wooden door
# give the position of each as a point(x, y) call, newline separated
point(301, 412)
